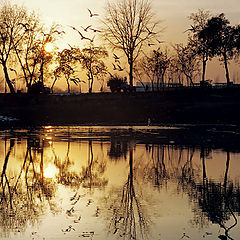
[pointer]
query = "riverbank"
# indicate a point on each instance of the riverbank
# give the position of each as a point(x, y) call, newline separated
point(183, 106)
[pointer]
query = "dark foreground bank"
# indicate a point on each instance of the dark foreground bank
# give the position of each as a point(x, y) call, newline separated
point(191, 106)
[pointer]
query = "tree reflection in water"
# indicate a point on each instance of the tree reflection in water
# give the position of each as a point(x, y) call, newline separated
point(217, 202)
point(127, 211)
point(27, 195)
point(24, 197)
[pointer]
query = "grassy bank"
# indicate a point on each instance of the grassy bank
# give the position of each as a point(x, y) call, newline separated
point(210, 106)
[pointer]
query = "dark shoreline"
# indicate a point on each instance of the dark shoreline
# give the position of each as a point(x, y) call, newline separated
point(181, 106)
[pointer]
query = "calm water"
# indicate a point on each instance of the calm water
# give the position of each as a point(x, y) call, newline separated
point(116, 183)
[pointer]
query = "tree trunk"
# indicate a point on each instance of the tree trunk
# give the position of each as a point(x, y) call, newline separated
point(204, 70)
point(68, 84)
point(131, 72)
point(226, 69)
point(7, 79)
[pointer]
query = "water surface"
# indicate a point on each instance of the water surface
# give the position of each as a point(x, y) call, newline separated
point(118, 183)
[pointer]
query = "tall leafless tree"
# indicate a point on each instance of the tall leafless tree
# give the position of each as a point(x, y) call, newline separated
point(11, 32)
point(128, 25)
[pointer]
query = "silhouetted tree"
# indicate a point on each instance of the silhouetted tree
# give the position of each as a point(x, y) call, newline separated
point(200, 44)
point(155, 66)
point(65, 67)
point(219, 36)
point(32, 56)
point(91, 61)
point(128, 25)
point(186, 61)
point(11, 33)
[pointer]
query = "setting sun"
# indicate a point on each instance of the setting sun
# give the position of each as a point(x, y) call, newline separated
point(49, 47)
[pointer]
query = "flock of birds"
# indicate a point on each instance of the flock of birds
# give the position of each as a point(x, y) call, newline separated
point(89, 27)
point(116, 64)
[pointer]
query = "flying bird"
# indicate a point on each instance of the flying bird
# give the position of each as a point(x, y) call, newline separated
point(150, 32)
point(13, 70)
point(59, 32)
point(192, 29)
point(94, 30)
point(26, 26)
point(159, 41)
point(82, 37)
point(86, 28)
point(92, 14)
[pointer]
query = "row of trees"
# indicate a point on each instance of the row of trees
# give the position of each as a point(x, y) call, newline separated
point(23, 51)
point(129, 26)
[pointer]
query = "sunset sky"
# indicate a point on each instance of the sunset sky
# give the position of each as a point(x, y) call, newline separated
point(173, 14)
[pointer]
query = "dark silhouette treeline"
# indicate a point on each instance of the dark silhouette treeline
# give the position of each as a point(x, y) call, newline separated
point(192, 106)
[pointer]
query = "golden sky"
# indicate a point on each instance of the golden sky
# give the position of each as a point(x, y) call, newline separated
point(173, 13)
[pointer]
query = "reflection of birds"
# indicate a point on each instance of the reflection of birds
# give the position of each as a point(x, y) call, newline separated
point(86, 28)
point(184, 236)
point(116, 57)
point(207, 234)
point(150, 44)
point(89, 202)
point(222, 237)
point(114, 66)
point(92, 14)
point(120, 68)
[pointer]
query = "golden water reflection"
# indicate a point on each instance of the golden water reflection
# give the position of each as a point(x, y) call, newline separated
point(65, 187)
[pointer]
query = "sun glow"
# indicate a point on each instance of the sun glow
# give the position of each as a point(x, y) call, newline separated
point(50, 171)
point(49, 47)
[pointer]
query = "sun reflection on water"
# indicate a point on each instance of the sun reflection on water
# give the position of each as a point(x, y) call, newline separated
point(50, 171)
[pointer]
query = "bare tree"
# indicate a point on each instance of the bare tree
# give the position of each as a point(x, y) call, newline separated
point(65, 67)
point(187, 62)
point(127, 26)
point(11, 31)
point(90, 59)
point(155, 66)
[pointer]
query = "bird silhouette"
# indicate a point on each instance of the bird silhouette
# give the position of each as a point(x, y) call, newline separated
point(92, 14)
point(192, 29)
point(150, 44)
point(114, 66)
point(159, 41)
point(13, 70)
point(94, 30)
point(26, 26)
point(82, 37)
point(150, 32)
point(120, 68)
point(86, 28)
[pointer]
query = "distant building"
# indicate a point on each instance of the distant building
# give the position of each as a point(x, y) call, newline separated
point(147, 86)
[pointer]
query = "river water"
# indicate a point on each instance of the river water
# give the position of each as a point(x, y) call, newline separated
point(118, 183)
